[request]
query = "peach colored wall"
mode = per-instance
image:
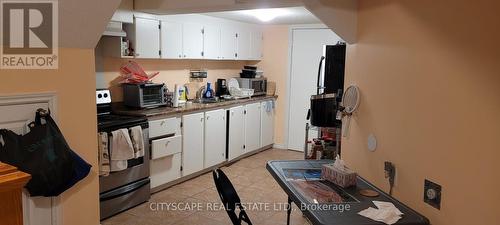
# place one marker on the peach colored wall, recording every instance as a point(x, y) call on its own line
point(428, 72)
point(74, 84)
point(275, 66)
point(171, 71)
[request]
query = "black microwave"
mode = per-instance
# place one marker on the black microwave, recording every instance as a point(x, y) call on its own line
point(144, 95)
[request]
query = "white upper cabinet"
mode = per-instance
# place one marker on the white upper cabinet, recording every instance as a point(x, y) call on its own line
point(244, 40)
point(228, 43)
point(171, 40)
point(192, 36)
point(184, 37)
point(146, 38)
point(256, 49)
point(211, 42)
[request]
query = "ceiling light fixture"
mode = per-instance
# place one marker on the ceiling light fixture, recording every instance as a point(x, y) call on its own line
point(266, 15)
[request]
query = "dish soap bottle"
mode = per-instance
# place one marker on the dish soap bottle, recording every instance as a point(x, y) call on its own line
point(209, 93)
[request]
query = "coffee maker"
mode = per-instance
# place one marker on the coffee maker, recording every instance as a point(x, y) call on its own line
point(221, 88)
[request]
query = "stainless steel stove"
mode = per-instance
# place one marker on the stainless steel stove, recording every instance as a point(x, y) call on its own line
point(124, 189)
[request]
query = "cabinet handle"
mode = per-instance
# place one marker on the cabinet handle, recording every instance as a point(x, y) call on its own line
point(162, 123)
point(208, 117)
point(201, 119)
point(184, 56)
point(180, 56)
point(166, 144)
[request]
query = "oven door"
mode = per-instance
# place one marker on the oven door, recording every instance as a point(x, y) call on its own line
point(137, 169)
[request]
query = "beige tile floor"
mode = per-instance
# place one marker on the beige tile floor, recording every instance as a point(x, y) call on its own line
point(255, 186)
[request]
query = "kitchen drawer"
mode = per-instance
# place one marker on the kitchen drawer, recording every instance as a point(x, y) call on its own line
point(166, 169)
point(166, 146)
point(163, 127)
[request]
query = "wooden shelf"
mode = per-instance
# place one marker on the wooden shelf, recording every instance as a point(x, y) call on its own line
point(12, 182)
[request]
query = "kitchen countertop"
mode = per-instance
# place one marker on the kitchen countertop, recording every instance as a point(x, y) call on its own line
point(121, 109)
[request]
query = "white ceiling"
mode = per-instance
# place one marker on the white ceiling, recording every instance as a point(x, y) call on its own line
point(296, 15)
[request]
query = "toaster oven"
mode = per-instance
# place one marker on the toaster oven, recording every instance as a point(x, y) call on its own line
point(146, 95)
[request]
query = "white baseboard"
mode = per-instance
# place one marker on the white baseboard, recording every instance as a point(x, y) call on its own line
point(279, 146)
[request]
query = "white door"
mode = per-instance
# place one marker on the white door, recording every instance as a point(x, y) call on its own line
point(215, 137)
point(211, 42)
point(244, 44)
point(147, 38)
point(228, 43)
point(267, 123)
point(252, 127)
point(171, 40)
point(307, 48)
point(16, 114)
point(236, 131)
point(257, 38)
point(192, 44)
point(192, 144)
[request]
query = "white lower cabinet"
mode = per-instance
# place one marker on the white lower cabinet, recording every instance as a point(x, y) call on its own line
point(165, 164)
point(236, 132)
point(252, 127)
point(192, 143)
point(215, 137)
point(267, 123)
point(165, 169)
point(203, 140)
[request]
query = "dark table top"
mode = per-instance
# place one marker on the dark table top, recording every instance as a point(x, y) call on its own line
point(332, 213)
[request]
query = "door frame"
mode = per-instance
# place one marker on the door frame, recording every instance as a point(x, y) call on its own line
point(289, 74)
point(51, 99)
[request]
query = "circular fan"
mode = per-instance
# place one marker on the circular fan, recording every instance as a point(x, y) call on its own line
point(350, 103)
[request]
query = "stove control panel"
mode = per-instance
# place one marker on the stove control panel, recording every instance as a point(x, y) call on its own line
point(103, 96)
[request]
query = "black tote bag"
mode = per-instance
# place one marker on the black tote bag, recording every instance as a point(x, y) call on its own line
point(45, 155)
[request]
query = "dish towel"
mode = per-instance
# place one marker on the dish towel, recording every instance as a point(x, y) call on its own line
point(137, 141)
point(103, 150)
point(121, 149)
point(386, 212)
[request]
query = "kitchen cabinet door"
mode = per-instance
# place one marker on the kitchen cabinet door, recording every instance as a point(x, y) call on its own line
point(267, 123)
point(192, 44)
point(147, 38)
point(192, 143)
point(256, 51)
point(236, 131)
point(165, 169)
point(252, 127)
point(228, 42)
point(211, 42)
point(171, 40)
point(244, 40)
point(215, 137)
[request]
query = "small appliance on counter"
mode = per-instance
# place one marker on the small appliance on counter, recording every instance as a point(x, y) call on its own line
point(259, 85)
point(146, 95)
point(221, 88)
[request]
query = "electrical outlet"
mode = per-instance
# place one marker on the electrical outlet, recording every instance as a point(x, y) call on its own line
point(432, 194)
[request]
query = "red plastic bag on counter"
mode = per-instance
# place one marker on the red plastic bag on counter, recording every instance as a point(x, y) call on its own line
point(132, 73)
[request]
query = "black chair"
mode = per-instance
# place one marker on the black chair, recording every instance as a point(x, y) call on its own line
point(230, 198)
